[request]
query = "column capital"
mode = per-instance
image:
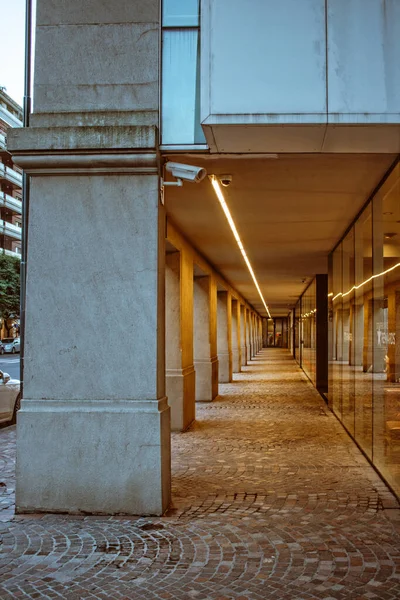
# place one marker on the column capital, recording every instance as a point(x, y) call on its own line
point(100, 149)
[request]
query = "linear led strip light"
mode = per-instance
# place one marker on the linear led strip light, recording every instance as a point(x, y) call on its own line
point(220, 196)
point(357, 287)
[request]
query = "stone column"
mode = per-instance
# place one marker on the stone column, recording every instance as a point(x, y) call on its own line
point(254, 334)
point(236, 367)
point(243, 347)
point(205, 359)
point(224, 339)
point(251, 334)
point(180, 375)
point(248, 335)
point(94, 427)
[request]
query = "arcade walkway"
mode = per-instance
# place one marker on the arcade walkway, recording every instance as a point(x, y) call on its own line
point(271, 500)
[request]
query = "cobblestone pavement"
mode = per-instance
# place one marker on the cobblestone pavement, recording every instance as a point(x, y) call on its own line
point(271, 500)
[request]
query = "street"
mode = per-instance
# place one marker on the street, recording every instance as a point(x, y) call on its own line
point(9, 363)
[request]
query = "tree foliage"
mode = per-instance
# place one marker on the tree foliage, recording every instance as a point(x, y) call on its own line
point(9, 286)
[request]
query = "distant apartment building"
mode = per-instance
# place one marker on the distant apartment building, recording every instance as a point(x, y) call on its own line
point(10, 181)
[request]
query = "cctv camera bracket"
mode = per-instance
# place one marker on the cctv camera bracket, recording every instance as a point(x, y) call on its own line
point(177, 183)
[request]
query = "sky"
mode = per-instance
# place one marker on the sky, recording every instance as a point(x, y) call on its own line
point(12, 51)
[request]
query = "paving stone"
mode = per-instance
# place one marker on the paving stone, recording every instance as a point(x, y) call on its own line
point(271, 500)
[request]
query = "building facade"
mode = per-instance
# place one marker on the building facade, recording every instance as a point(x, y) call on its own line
point(10, 181)
point(10, 194)
point(296, 121)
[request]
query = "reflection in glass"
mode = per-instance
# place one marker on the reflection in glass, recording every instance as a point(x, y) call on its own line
point(337, 331)
point(386, 417)
point(365, 330)
point(277, 332)
point(308, 331)
point(347, 321)
point(180, 101)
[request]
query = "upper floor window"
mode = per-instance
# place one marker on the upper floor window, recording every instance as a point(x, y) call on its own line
point(180, 106)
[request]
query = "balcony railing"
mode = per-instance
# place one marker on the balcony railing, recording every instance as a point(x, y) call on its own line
point(11, 203)
point(11, 253)
point(9, 118)
point(11, 230)
point(10, 175)
point(3, 142)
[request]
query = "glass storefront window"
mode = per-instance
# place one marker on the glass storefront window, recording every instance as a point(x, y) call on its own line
point(277, 332)
point(386, 406)
point(364, 365)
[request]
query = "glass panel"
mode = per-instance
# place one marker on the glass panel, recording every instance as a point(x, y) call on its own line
point(308, 322)
point(386, 449)
point(285, 340)
point(348, 329)
point(337, 332)
point(331, 361)
point(180, 13)
point(270, 332)
point(363, 331)
point(297, 320)
point(180, 96)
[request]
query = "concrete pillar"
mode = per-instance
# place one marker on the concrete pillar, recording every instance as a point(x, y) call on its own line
point(205, 357)
point(257, 333)
point(251, 334)
point(248, 335)
point(180, 374)
point(224, 339)
point(94, 427)
point(254, 334)
point(243, 346)
point(236, 352)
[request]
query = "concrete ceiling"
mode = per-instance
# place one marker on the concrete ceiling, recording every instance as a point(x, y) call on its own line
point(290, 211)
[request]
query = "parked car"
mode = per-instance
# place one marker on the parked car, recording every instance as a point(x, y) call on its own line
point(10, 398)
point(11, 344)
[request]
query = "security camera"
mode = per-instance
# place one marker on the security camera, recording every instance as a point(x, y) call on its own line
point(186, 172)
point(225, 180)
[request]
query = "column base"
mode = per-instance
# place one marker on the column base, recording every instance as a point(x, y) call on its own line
point(180, 387)
point(244, 356)
point(93, 457)
point(235, 361)
point(206, 379)
point(224, 367)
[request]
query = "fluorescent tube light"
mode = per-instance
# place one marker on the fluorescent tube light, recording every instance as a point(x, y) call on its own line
point(220, 196)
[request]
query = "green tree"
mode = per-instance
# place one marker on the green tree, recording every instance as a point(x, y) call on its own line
point(9, 288)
